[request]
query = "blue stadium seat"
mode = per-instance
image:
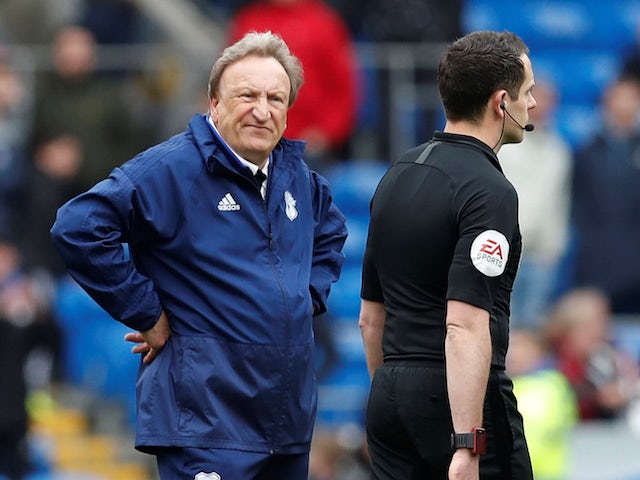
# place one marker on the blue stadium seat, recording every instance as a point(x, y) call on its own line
point(342, 397)
point(619, 23)
point(358, 226)
point(369, 109)
point(95, 355)
point(344, 301)
point(578, 122)
point(71, 475)
point(539, 23)
point(580, 74)
point(599, 24)
point(348, 341)
point(343, 403)
point(353, 183)
point(342, 394)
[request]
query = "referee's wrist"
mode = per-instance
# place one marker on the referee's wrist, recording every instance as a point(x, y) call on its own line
point(474, 441)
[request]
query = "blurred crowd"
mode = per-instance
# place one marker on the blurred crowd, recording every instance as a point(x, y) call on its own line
point(67, 120)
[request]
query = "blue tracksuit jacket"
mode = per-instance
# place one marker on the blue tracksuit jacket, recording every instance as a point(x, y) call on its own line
point(238, 276)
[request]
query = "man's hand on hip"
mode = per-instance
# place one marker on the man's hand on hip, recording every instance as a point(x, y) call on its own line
point(152, 341)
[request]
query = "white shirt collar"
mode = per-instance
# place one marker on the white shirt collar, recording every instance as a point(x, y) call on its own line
point(251, 166)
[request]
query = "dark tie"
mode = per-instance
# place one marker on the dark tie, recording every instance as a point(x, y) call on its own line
point(259, 177)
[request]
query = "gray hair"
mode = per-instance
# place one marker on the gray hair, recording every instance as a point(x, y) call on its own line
point(261, 44)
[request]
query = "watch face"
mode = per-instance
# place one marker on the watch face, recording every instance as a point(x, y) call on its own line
point(479, 441)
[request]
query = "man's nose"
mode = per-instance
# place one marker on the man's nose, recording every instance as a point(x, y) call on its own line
point(261, 110)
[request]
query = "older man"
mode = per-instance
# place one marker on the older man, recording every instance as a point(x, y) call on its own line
point(234, 245)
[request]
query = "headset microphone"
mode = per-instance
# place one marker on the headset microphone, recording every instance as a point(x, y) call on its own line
point(528, 127)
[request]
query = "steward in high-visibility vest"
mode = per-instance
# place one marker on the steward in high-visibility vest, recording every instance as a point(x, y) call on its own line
point(549, 409)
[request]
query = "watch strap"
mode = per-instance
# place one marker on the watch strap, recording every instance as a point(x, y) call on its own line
point(476, 441)
point(462, 440)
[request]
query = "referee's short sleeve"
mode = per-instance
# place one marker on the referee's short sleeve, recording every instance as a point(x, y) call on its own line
point(371, 288)
point(487, 227)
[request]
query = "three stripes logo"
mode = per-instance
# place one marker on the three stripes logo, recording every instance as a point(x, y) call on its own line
point(228, 204)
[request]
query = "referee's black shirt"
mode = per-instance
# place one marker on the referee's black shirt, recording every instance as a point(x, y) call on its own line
point(443, 230)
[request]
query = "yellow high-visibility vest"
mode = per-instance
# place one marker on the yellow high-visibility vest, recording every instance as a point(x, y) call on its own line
point(549, 409)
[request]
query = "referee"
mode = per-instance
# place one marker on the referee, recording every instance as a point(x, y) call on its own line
point(440, 261)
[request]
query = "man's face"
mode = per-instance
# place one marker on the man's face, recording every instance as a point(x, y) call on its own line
point(250, 107)
point(520, 108)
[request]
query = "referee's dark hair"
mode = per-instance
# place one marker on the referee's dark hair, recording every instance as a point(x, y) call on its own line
point(475, 66)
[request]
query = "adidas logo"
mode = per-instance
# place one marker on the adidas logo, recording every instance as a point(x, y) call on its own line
point(228, 204)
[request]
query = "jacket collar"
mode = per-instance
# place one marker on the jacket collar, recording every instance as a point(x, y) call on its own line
point(215, 152)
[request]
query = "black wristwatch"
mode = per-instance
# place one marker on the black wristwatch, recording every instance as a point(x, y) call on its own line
point(476, 441)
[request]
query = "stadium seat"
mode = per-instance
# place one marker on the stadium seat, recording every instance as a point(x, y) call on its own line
point(540, 24)
point(600, 24)
point(95, 355)
point(342, 395)
point(358, 226)
point(353, 183)
point(580, 74)
point(578, 122)
point(369, 109)
point(619, 24)
point(344, 301)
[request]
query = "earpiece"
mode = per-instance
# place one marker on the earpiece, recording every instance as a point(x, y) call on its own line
point(528, 127)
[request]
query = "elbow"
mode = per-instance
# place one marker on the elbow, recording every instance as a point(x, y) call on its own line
point(457, 334)
point(453, 331)
point(464, 331)
point(371, 319)
point(365, 327)
point(57, 233)
point(367, 323)
point(64, 237)
point(370, 328)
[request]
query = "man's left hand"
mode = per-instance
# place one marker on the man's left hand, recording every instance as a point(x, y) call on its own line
point(152, 341)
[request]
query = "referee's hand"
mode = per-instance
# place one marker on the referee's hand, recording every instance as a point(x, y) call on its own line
point(465, 465)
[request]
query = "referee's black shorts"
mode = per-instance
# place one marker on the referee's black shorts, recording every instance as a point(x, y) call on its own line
point(409, 426)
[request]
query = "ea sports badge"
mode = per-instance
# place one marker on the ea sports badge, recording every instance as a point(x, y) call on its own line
point(489, 253)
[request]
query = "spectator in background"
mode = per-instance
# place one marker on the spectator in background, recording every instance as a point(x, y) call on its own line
point(631, 59)
point(606, 200)
point(25, 324)
point(75, 101)
point(13, 352)
point(540, 170)
point(52, 180)
point(35, 21)
point(604, 379)
point(413, 22)
point(112, 21)
point(325, 456)
point(14, 120)
point(325, 113)
point(546, 401)
point(333, 458)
